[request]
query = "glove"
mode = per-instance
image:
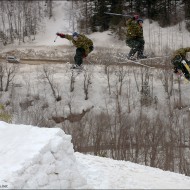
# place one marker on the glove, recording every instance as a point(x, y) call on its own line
point(135, 17)
point(84, 55)
point(60, 35)
point(179, 74)
point(175, 70)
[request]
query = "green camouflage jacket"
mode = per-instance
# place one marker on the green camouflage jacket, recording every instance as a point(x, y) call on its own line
point(82, 42)
point(134, 30)
point(182, 52)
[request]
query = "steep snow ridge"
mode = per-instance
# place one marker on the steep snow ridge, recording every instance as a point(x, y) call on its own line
point(33, 157)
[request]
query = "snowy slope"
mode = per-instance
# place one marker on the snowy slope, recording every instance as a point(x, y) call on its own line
point(105, 173)
point(33, 157)
point(36, 158)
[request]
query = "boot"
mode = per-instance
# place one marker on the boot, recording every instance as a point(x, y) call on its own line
point(131, 54)
point(75, 66)
point(140, 55)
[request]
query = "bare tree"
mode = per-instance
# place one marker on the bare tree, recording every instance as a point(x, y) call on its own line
point(71, 117)
point(48, 4)
point(108, 79)
point(179, 89)
point(129, 96)
point(2, 70)
point(22, 18)
point(121, 74)
point(72, 81)
point(7, 74)
point(48, 74)
point(135, 77)
point(86, 84)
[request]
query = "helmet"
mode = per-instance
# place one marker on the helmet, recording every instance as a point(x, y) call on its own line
point(140, 20)
point(75, 34)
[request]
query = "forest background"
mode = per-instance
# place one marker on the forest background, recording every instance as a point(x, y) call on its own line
point(22, 19)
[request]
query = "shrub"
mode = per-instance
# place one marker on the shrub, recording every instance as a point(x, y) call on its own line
point(4, 116)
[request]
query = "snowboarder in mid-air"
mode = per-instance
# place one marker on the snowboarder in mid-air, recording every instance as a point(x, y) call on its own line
point(181, 64)
point(83, 44)
point(134, 37)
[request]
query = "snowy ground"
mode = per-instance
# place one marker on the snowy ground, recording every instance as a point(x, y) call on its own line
point(104, 173)
point(34, 158)
point(31, 85)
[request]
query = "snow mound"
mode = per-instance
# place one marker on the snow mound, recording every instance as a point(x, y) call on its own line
point(33, 157)
point(106, 173)
point(43, 158)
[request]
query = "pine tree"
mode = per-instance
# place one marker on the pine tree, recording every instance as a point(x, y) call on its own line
point(116, 7)
point(100, 21)
point(187, 13)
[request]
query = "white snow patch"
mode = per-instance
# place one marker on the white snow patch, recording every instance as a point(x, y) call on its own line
point(33, 157)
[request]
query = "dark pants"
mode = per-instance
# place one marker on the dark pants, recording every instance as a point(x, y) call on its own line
point(177, 62)
point(136, 45)
point(79, 55)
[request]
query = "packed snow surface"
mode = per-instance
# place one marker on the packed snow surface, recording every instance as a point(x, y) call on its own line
point(33, 157)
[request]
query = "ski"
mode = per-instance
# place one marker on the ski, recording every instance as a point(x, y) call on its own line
point(116, 14)
point(152, 58)
point(137, 62)
point(77, 70)
point(140, 61)
point(148, 58)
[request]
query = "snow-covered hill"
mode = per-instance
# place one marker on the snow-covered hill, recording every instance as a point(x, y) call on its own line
point(34, 158)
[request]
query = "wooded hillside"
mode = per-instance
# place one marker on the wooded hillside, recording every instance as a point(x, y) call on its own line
point(21, 19)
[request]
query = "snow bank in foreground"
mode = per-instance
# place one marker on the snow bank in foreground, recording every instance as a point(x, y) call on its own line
point(33, 157)
point(43, 158)
point(107, 173)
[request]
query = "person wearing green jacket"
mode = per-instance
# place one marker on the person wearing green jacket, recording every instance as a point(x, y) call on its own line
point(83, 44)
point(179, 60)
point(134, 37)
